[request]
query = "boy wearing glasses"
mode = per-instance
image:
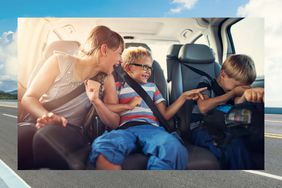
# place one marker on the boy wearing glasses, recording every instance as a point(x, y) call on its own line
point(165, 150)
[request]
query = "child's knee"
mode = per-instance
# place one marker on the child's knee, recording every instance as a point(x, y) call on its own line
point(103, 164)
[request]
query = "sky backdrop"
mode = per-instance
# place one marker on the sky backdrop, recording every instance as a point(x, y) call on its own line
point(267, 9)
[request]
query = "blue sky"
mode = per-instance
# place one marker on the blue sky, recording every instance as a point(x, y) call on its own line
point(111, 8)
point(268, 9)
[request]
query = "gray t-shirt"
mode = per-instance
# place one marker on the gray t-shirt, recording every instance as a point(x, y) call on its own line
point(74, 110)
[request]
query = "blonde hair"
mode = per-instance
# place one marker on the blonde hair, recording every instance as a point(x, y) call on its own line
point(134, 54)
point(241, 68)
point(102, 35)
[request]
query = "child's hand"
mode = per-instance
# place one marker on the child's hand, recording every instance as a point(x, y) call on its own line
point(239, 90)
point(194, 94)
point(255, 95)
point(92, 90)
point(136, 101)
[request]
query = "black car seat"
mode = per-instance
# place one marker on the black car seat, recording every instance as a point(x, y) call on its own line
point(182, 79)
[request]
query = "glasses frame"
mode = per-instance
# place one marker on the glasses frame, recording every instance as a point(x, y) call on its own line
point(144, 67)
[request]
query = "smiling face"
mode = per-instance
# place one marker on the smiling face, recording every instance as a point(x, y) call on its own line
point(140, 70)
point(110, 58)
point(114, 58)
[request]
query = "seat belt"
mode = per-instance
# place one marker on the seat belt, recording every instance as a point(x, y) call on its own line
point(202, 73)
point(144, 95)
point(214, 85)
point(53, 104)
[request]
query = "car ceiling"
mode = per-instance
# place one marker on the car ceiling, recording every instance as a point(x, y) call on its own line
point(140, 29)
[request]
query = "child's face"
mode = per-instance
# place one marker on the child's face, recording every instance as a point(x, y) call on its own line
point(228, 83)
point(141, 70)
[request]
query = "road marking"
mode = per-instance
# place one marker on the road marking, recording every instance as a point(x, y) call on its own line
point(273, 121)
point(273, 135)
point(264, 174)
point(10, 177)
point(8, 106)
point(9, 115)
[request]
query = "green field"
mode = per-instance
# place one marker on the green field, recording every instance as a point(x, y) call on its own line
point(4, 95)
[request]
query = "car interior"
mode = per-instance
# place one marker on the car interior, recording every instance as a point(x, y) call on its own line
point(179, 39)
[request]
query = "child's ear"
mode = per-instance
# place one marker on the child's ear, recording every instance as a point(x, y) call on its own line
point(222, 74)
point(126, 67)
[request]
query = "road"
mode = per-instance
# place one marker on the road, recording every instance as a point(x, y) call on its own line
point(88, 178)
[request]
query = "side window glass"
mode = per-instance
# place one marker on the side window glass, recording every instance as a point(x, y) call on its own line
point(248, 35)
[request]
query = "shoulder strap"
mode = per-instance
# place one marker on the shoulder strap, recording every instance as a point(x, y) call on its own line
point(214, 85)
point(144, 95)
point(202, 73)
point(53, 104)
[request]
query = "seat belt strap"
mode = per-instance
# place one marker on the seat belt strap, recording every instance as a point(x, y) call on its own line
point(144, 95)
point(53, 104)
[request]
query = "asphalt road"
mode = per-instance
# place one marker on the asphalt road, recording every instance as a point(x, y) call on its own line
point(92, 178)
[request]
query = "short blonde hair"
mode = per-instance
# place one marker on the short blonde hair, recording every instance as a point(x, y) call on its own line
point(134, 54)
point(241, 68)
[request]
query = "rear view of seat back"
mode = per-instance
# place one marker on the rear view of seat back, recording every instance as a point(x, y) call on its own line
point(174, 75)
point(200, 57)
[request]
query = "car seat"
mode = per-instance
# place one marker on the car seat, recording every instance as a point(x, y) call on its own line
point(182, 79)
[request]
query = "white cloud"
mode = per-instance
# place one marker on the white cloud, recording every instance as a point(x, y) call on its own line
point(182, 5)
point(8, 55)
point(270, 11)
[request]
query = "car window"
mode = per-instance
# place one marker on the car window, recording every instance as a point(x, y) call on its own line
point(248, 35)
point(202, 40)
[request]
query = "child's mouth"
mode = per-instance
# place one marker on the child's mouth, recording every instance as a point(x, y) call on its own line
point(145, 76)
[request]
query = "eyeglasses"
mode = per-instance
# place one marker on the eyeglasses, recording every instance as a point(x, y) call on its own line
point(144, 67)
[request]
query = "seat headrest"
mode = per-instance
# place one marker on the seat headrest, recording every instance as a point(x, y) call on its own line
point(67, 46)
point(137, 44)
point(173, 51)
point(196, 54)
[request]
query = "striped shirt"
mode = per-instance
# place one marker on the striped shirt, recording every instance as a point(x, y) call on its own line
point(140, 113)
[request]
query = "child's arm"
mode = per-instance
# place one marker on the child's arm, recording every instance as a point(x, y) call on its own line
point(255, 95)
point(119, 108)
point(169, 112)
point(108, 117)
point(208, 104)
